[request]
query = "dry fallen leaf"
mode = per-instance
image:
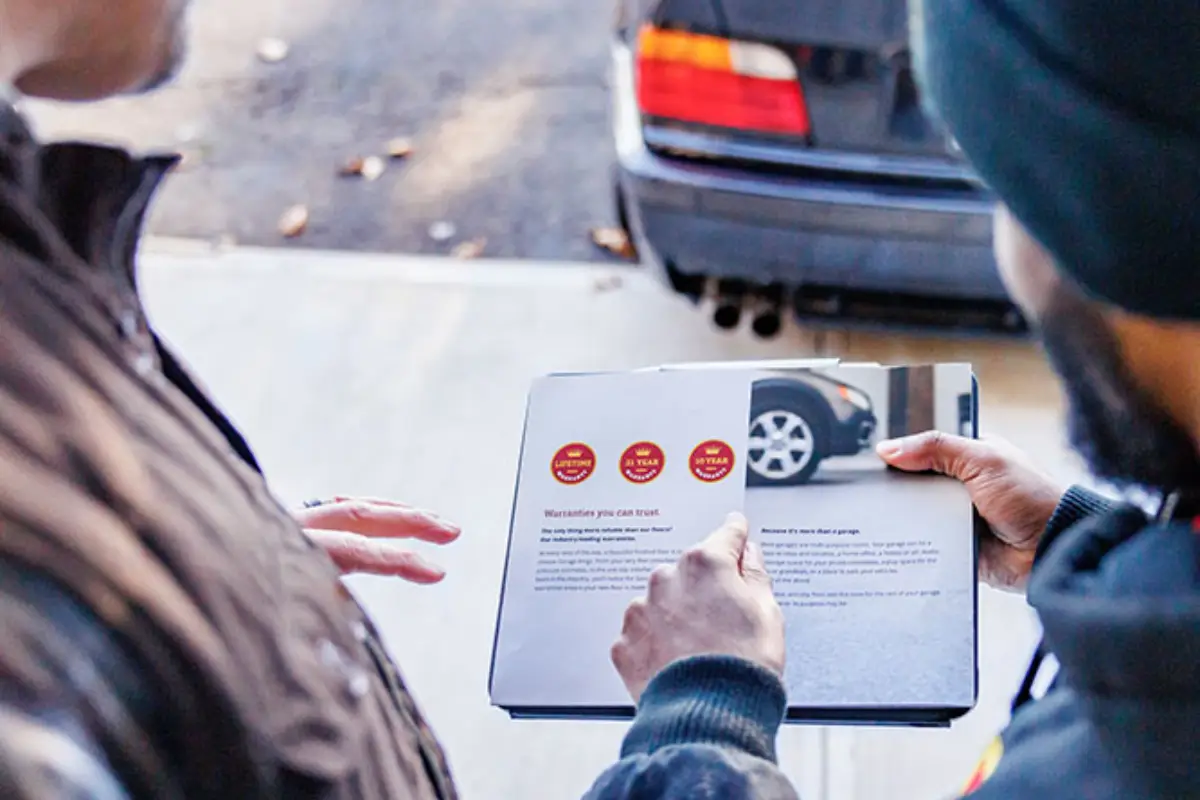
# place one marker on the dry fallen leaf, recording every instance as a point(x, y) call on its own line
point(369, 168)
point(272, 50)
point(615, 241)
point(294, 221)
point(372, 167)
point(400, 147)
point(471, 249)
point(441, 231)
point(353, 166)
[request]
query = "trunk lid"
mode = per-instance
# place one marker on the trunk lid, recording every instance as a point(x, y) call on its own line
point(855, 71)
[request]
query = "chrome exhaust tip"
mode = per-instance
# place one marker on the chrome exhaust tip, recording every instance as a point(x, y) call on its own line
point(731, 297)
point(727, 314)
point(768, 302)
point(767, 324)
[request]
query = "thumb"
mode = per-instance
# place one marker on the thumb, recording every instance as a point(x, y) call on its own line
point(754, 567)
point(729, 541)
point(933, 450)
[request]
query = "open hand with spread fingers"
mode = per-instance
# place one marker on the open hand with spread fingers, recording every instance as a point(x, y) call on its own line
point(357, 534)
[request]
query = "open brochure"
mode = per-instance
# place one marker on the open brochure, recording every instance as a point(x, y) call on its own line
point(874, 568)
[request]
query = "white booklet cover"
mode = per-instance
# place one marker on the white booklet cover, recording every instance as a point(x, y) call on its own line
point(874, 569)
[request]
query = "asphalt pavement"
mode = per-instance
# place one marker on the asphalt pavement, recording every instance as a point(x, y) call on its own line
point(505, 102)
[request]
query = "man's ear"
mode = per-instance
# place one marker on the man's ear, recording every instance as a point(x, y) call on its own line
point(1159, 354)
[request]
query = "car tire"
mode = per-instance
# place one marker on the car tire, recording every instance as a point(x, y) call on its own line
point(797, 421)
point(620, 208)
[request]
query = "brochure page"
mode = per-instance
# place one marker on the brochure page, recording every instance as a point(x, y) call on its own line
point(619, 473)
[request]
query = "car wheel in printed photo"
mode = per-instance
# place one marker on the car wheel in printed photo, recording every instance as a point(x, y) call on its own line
point(789, 431)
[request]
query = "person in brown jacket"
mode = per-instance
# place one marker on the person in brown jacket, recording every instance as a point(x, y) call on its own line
point(167, 630)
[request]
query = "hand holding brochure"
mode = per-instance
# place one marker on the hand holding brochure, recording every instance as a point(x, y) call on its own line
point(874, 569)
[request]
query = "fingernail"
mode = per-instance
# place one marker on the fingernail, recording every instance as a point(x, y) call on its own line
point(889, 448)
point(441, 521)
point(736, 518)
point(435, 572)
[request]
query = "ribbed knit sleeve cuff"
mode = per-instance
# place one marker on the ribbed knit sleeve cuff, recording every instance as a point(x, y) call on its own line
point(718, 700)
point(1076, 505)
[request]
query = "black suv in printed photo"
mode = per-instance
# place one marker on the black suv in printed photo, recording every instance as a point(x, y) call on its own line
point(774, 157)
point(798, 421)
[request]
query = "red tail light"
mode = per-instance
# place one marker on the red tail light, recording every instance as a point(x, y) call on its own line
point(708, 80)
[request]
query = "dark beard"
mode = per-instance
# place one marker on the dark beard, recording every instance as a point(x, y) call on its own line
point(1123, 434)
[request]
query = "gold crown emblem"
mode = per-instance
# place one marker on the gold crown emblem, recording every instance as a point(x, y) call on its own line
point(712, 451)
point(642, 451)
point(574, 453)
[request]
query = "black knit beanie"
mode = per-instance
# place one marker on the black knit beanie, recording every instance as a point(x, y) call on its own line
point(1084, 117)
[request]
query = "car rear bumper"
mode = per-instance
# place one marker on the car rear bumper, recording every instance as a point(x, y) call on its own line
point(853, 435)
point(725, 222)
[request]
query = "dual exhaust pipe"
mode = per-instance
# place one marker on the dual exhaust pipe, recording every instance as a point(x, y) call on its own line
point(763, 304)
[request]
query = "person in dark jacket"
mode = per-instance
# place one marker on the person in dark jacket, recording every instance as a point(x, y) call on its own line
point(1085, 120)
point(167, 630)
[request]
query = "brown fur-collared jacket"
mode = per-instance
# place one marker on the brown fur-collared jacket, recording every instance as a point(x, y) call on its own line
point(166, 630)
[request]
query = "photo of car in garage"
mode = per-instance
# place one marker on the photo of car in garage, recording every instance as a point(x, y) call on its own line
point(776, 159)
point(798, 421)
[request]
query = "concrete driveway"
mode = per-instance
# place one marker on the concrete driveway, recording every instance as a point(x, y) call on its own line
point(406, 378)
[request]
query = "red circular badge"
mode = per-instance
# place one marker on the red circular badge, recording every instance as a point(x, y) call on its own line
point(711, 461)
point(573, 463)
point(642, 462)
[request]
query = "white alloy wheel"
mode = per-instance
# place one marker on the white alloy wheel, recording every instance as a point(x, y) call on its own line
point(781, 444)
